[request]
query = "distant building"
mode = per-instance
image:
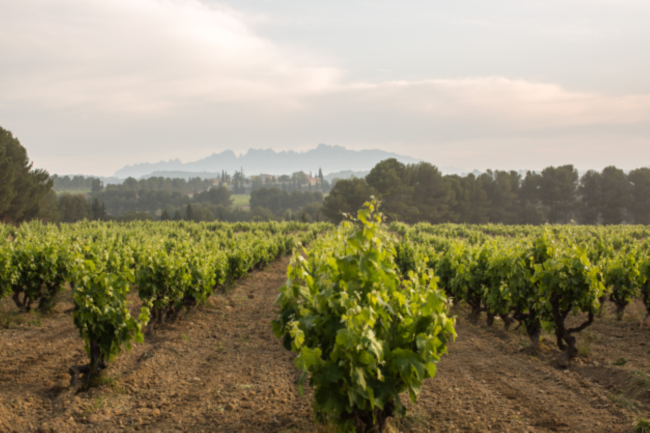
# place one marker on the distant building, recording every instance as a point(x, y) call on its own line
point(313, 180)
point(263, 177)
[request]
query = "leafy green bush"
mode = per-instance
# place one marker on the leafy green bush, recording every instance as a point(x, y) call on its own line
point(568, 282)
point(163, 277)
point(363, 333)
point(623, 275)
point(42, 266)
point(101, 313)
point(7, 271)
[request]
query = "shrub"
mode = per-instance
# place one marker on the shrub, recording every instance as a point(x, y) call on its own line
point(362, 333)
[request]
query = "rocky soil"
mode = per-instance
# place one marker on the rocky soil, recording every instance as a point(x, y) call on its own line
point(221, 369)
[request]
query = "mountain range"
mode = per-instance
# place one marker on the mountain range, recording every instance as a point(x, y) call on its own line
point(328, 158)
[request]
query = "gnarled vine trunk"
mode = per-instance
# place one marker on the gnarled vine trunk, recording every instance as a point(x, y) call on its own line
point(365, 423)
point(507, 320)
point(90, 371)
point(25, 303)
point(532, 325)
point(620, 303)
point(48, 297)
point(474, 301)
point(565, 340)
point(601, 310)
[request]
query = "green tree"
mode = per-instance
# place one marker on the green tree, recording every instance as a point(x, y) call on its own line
point(345, 197)
point(22, 188)
point(529, 210)
point(615, 190)
point(189, 213)
point(165, 215)
point(130, 183)
point(471, 204)
point(262, 214)
point(97, 186)
point(299, 177)
point(640, 195)
point(73, 208)
point(392, 181)
point(432, 194)
point(313, 211)
point(7, 192)
point(590, 195)
point(215, 196)
point(502, 191)
point(97, 210)
point(177, 215)
point(558, 188)
point(48, 211)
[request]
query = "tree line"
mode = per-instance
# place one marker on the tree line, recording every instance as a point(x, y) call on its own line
point(93, 184)
point(169, 198)
point(420, 193)
point(410, 193)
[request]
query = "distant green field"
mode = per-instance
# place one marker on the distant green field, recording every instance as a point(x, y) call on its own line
point(72, 191)
point(241, 200)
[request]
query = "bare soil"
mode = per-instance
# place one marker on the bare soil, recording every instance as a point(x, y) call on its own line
point(221, 369)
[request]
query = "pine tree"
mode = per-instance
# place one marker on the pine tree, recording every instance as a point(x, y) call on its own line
point(165, 216)
point(95, 209)
point(96, 186)
point(639, 180)
point(177, 215)
point(22, 187)
point(189, 213)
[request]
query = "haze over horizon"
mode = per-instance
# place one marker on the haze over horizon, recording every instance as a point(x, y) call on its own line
point(89, 87)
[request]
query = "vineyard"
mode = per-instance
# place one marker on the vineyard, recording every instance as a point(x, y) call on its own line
point(175, 267)
point(535, 276)
point(379, 327)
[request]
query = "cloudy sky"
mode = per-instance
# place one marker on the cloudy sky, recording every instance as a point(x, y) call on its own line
point(91, 85)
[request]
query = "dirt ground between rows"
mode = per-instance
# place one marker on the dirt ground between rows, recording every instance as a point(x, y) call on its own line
point(221, 369)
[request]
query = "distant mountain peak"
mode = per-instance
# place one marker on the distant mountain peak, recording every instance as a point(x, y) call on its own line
point(329, 158)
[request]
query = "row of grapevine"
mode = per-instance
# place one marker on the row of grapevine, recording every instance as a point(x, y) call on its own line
point(175, 266)
point(361, 332)
point(535, 276)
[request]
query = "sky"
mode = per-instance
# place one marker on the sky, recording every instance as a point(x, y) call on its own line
point(90, 86)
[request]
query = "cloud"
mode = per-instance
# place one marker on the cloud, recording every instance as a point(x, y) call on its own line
point(144, 76)
point(143, 56)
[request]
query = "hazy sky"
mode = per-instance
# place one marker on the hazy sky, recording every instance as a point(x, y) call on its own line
point(91, 85)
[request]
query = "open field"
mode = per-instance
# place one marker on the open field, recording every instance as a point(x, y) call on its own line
point(220, 369)
point(240, 200)
point(73, 191)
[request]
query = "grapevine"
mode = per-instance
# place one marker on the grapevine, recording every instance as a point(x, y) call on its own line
point(362, 333)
